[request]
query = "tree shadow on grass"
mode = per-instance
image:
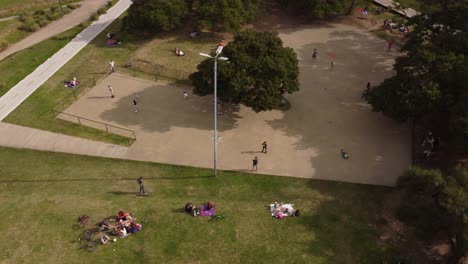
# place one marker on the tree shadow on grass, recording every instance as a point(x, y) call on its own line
point(343, 224)
point(123, 193)
point(104, 179)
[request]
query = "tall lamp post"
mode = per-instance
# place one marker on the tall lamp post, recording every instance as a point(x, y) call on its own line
point(215, 112)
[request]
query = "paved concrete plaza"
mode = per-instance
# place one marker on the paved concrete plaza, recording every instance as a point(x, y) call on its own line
point(304, 141)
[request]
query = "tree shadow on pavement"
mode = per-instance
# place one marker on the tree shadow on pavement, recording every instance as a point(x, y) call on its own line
point(328, 114)
point(163, 107)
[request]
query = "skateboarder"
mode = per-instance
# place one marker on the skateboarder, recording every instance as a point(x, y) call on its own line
point(111, 91)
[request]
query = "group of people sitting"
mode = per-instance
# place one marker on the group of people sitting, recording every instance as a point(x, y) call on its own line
point(72, 83)
point(280, 210)
point(392, 24)
point(123, 225)
point(206, 209)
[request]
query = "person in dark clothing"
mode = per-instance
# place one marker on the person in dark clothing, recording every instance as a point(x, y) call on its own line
point(254, 164)
point(142, 188)
point(264, 147)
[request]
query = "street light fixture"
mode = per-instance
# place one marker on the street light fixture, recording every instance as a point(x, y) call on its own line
point(215, 137)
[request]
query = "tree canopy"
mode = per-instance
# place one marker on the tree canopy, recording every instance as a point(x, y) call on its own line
point(319, 8)
point(226, 14)
point(436, 202)
point(431, 77)
point(155, 15)
point(259, 71)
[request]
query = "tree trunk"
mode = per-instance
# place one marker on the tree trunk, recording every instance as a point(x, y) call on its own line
point(350, 9)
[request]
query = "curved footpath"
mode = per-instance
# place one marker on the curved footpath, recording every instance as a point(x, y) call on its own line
point(74, 18)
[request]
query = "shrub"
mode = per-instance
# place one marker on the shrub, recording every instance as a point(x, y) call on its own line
point(101, 11)
point(155, 15)
point(39, 12)
point(53, 16)
point(30, 26)
point(3, 46)
point(71, 7)
point(94, 17)
point(42, 22)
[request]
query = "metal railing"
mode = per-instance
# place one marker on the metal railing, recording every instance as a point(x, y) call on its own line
point(156, 72)
point(130, 134)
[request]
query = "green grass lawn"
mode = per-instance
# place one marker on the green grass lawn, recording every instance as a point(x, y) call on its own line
point(10, 32)
point(44, 193)
point(13, 7)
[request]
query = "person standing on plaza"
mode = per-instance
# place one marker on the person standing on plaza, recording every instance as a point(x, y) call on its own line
point(390, 44)
point(111, 91)
point(254, 164)
point(112, 66)
point(264, 147)
point(140, 183)
point(314, 55)
point(185, 95)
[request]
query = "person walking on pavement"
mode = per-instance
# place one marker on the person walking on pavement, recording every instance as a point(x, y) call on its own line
point(314, 55)
point(135, 105)
point(111, 91)
point(136, 97)
point(264, 147)
point(112, 66)
point(254, 164)
point(140, 183)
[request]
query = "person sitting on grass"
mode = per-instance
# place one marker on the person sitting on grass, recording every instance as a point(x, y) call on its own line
point(178, 52)
point(193, 34)
point(120, 232)
point(207, 209)
point(72, 83)
point(134, 227)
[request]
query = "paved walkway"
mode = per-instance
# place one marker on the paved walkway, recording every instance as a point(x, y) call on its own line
point(25, 137)
point(68, 21)
point(28, 85)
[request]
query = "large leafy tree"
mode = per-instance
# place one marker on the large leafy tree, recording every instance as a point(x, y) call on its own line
point(155, 15)
point(320, 8)
point(259, 71)
point(431, 76)
point(226, 14)
point(438, 202)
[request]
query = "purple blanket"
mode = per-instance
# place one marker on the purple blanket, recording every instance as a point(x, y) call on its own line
point(205, 212)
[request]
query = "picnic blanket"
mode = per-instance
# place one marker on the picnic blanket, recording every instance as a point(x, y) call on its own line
point(274, 209)
point(204, 211)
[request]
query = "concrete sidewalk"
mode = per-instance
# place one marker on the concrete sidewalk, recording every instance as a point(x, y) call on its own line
point(74, 18)
point(24, 137)
point(16, 95)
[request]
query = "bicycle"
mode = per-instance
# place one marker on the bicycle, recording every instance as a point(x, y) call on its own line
point(82, 221)
point(86, 240)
